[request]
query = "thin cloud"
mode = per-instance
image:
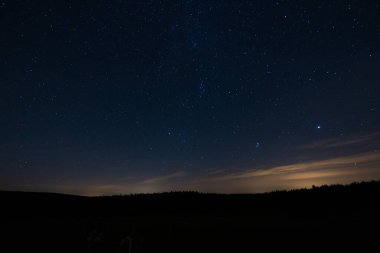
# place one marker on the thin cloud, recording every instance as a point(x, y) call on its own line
point(344, 163)
point(342, 169)
point(343, 141)
point(165, 177)
point(216, 171)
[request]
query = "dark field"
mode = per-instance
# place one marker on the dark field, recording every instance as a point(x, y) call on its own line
point(324, 218)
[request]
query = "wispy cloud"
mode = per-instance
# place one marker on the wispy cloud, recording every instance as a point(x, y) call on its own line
point(165, 177)
point(343, 163)
point(344, 141)
point(337, 160)
point(342, 169)
point(216, 171)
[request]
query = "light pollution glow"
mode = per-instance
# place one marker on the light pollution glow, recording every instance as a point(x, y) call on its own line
point(342, 169)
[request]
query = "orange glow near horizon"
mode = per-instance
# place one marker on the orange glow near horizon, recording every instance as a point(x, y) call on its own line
point(340, 170)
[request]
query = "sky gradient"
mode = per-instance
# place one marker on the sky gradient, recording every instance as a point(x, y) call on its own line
point(104, 97)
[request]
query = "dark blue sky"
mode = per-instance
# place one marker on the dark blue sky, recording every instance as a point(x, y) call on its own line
point(100, 97)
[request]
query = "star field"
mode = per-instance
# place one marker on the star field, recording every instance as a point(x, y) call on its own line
point(103, 96)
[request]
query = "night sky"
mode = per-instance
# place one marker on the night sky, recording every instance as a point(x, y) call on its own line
point(103, 97)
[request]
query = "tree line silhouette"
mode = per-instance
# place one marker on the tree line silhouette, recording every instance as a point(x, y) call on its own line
point(325, 199)
point(341, 217)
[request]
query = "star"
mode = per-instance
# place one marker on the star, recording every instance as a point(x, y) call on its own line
point(202, 90)
point(196, 87)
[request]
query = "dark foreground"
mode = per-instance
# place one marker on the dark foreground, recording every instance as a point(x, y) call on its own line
point(335, 218)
